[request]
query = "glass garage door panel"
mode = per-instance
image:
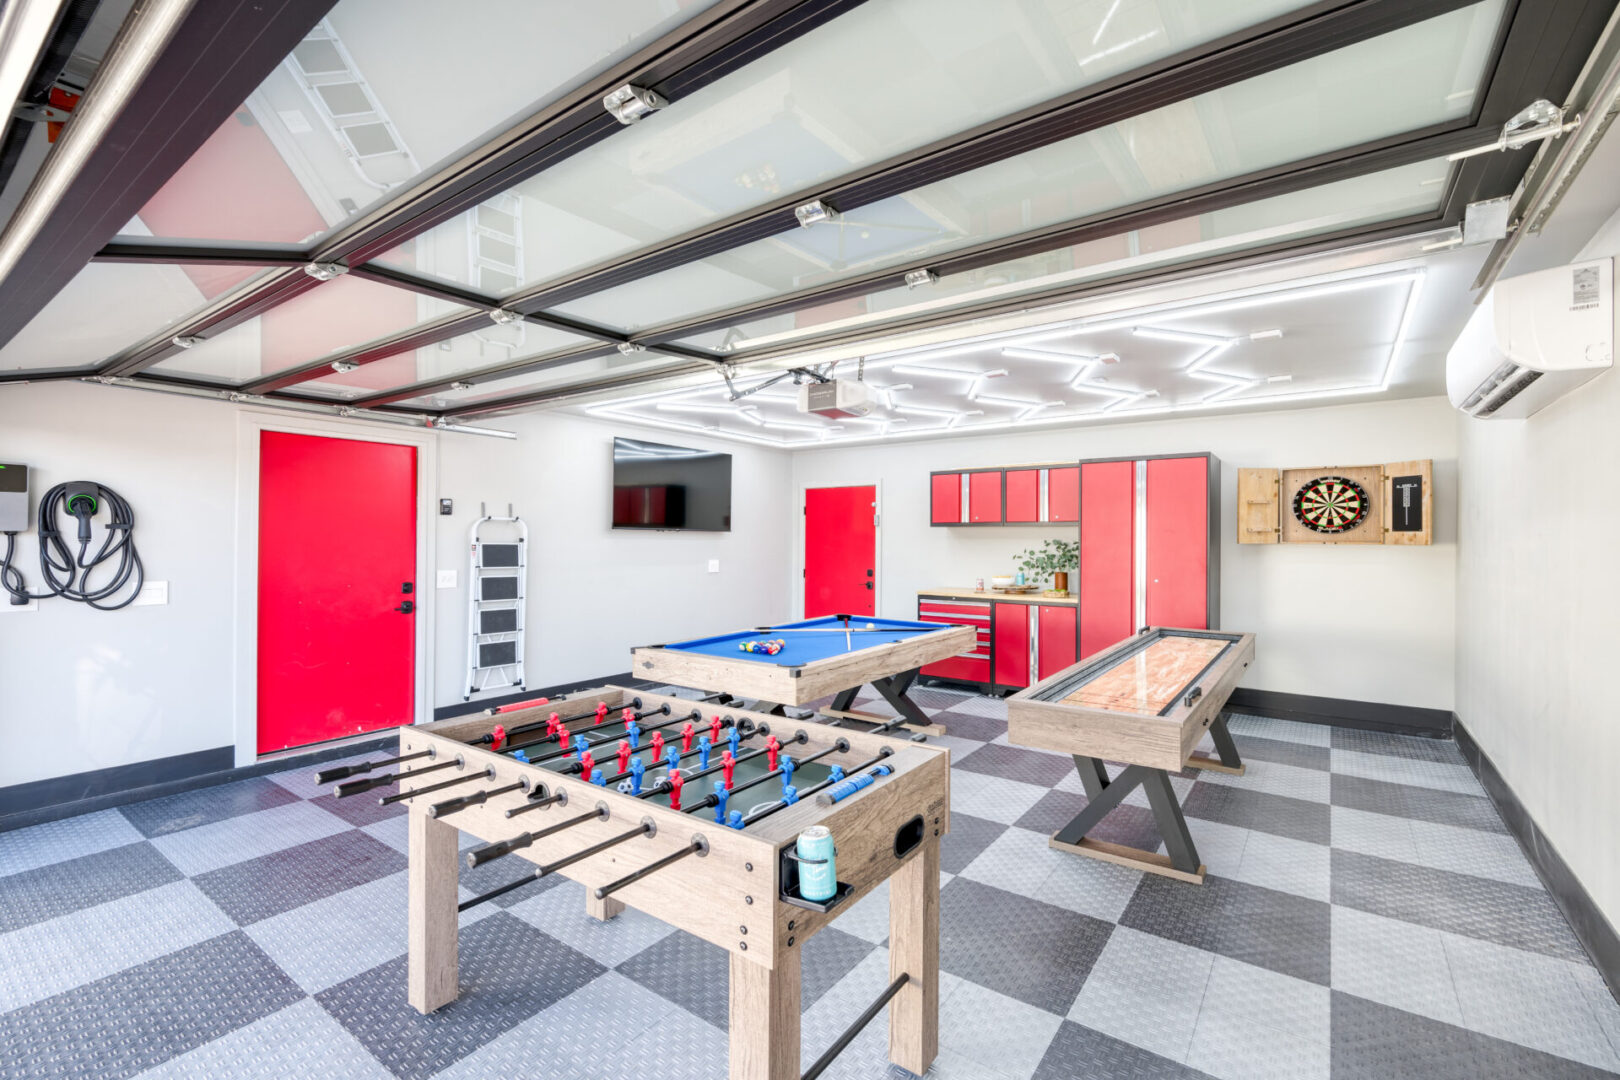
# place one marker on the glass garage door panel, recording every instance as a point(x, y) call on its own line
point(377, 93)
point(108, 307)
point(879, 80)
point(485, 348)
point(335, 315)
point(1423, 75)
point(1364, 200)
point(578, 372)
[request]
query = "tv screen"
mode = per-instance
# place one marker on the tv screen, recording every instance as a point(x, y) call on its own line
point(670, 487)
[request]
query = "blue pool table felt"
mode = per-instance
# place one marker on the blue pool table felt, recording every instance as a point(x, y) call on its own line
point(805, 647)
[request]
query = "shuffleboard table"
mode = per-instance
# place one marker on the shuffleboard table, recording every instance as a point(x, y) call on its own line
point(816, 659)
point(1146, 703)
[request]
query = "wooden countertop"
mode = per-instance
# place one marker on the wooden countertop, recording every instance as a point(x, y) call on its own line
point(958, 593)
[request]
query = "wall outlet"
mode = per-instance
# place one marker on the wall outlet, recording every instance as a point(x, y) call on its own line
point(714, 566)
point(152, 594)
point(446, 579)
point(6, 606)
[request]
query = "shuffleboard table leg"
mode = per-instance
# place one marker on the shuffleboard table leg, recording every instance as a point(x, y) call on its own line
point(765, 1017)
point(433, 971)
point(1228, 760)
point(1093, 776)
point(1178, 842)
point(608, 907)
point(914, 952)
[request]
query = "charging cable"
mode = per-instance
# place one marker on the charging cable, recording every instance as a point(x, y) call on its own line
point(68, 576)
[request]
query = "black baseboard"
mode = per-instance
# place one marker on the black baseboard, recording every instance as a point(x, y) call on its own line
point(1596, 935)
point(1343, 712)
point(468, 708)
point(81, 793)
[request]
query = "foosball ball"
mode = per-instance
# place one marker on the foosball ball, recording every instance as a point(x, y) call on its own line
point(748, 830)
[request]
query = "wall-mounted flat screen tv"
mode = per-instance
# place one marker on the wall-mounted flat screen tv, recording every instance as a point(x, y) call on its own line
point(670, 487)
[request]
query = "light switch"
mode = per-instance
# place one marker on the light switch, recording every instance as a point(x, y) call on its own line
point(447, 579)
point(714, 566)
point(152, 594)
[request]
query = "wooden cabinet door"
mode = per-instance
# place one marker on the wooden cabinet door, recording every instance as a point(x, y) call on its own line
point(1058, 625)
point(984, 497)
point(1011, 653)
point(1023, 495)
point(1063, 494)
point(1177, 579)
point(945, 498)
point(1107, 576)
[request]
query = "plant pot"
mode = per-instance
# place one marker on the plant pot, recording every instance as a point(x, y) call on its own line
point(1060, 581)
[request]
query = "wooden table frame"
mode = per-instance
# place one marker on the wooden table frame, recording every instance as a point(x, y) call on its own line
point(889, 668)
point(730, 896)
point(1150, 745)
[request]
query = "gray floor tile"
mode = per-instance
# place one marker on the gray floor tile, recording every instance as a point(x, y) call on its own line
point(1270, 929)
point(994, 1030)
point(1299, 819)
point(271, 884)
point(1283, 752)
point(1460, 903)
point(1034, 952)
point(687, 971)
point(828, 957)
point(970, 725)
point(509, 972)
point(301, 781)
point(362, 809)
point(1395, 963)
point(1404, 746)
point(1284, 730)
point(48, 892)
point(1261, 1025)
point(968, 837)
point(1146, 990)
point(1444, 776)
point(157, 817)
point(300, 1040)
point(1427, 804)
point(1376, 1042)
point(208, 847)
point(1274, 778)
point(1016, 763)
point(145, 1015)
point(1080, 1053)
point(58, 841)
point(991, 797)
point(494, 874)
point(324, 942)
point(1126, 824)
point(560, 912)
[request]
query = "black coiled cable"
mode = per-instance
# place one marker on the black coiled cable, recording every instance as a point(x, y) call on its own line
point(68, 576)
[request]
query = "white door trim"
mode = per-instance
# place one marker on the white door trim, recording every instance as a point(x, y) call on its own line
point(877, 546)
point(245, 606)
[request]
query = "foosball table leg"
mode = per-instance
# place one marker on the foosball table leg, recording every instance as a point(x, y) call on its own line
point(765, 1017)
point(914, 951)
point(433, 970)
point(604, 909)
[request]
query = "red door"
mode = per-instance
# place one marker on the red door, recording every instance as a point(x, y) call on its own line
point(337, 560)
point(1178, 542)
point(840, 551)
point(1107, 553)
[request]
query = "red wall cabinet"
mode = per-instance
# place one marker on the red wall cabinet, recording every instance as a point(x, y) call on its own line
point(1011, 650)
point(1055, 647)
point(984, 497)
point(945, 498)
point(1178, 542)
point(1063, 494)
point(1107, 577)
point(1023, 495)
point(972, 666)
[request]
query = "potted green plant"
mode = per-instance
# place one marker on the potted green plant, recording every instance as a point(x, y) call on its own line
point(1053, 559)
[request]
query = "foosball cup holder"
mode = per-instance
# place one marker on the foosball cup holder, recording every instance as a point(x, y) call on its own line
point(790, 886)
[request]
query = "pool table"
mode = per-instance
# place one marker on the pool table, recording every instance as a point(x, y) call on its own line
point(816, 660)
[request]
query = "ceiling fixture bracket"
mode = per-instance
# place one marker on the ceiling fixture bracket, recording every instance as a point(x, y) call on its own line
point(505, 316)
point(325, 271)
point(343, 367)
point(816, 212)
point(182, 341)
point(630, 103)
point(461, 386)
point(1539, 120)
point(916, 279)
point(630, 348)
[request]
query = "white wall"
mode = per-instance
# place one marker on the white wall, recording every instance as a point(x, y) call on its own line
point(1537, 614)
point(83, 689)
point(1364, 622)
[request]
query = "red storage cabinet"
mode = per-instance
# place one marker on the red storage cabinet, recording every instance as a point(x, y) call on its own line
point(1177, 578)
point(1063, 494)
point(1023, 495)
point(1107, 577)
point(1011, 652)
point(945, 498)
point(1057, 625)
point(973, 666)
point(984, 497)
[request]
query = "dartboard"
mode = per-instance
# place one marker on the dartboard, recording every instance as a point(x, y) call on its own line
point(1330, 504)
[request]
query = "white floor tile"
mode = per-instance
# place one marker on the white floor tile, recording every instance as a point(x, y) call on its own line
point(991, 797)
point(995, 1030)
point(1411, 771)
point(1275, 778)
point(1394, 963)
point(1145, 990)
point(57, 841)
point(300, 1040)
point(222, 843)
point(1293, 866)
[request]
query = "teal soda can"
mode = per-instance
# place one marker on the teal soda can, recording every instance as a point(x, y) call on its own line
point(818, 880)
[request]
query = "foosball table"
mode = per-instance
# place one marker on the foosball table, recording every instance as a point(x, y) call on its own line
point(688, 811)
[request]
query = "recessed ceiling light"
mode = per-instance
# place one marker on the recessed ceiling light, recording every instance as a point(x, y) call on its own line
point(1265, 335)
point(1279, 378)
point(1179, 335)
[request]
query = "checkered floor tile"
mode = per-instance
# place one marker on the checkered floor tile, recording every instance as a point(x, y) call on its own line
point(1366, 915)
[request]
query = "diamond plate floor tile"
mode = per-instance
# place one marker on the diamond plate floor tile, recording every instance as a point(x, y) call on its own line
point(1257, 1024)
point(1034, 952)
point(493, 875)
point(47, 958)
point(1293, 866)
point(1271, 778)
point(992, 708)
point(1425, 804)
point(1469, 851)
point(964, 723)
point(867, 1057)
point(1145, 990)
point(1018, 861)
point(1459, 903)
point(560, 912)
point(828, 957)
point(54, 890)
point(1274, 930)
point(1282, 730)
point(509, 972)
point(69, 838)
point(271, 884)
point(301, 781)
point(1080, 1053)
point(327, 941)
point(1405, 746)
point(300, 1040)
point(1282, 752)
point(1375, 1042)
point(1394, 963)
point(1089, 886)
point(683, 1048)
point(969, 836)
point(1125, 824)
point(394, 831)
point(1383, 835)
point(994, 1030)
point(187, 810)
point(687, 971)
point(992, 797)
point(1442, 776)
point(1535, 1001)
point(1220, 847)
point(1301, 819)
point(1016, 763)
point(958, 746)
point(362, 809)
point(868, 917)
point(1602, 1001)
point(145, 1015)
point(209, 847)
point(1257, 1053)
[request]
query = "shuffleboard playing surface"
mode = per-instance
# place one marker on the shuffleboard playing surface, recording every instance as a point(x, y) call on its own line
point(1149, 680)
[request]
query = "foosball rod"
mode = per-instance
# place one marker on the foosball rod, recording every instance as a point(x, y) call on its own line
point(343, 772)
point(355, 787)
point(574, 768)
point(489, 737)
point(855, 1029)
point(646, 828)
point(608, 736)
point(708, 801)
point(488, 773)
point(698, 846)
point(663, 786)
point(767, 811)
point(478, 856)
point(477, 798)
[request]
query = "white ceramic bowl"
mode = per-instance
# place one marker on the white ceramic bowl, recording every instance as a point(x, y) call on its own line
point(1001, 581)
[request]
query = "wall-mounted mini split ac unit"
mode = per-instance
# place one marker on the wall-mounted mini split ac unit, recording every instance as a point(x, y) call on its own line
point(1533, 339)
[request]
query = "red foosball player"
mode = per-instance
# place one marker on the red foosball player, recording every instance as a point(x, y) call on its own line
point(586, 764)
point(497, 737)
point(686, 738)
point(601, 711)
point(629, 715)
point(554, 726)
point(727, 764)
point(714, 730)
point(772, 748)
point(624, 755)
point(675, 782)
point(658, 745)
